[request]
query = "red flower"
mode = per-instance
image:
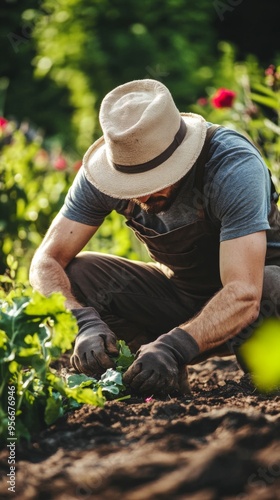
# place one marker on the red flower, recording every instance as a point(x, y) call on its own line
point(3, 123)
point(60, 163)
point(223, 98)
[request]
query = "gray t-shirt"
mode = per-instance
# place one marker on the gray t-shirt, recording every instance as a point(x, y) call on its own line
point(236, 193)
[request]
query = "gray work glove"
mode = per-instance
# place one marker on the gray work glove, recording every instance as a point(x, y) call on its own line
point(158, 365)
point(94, 344)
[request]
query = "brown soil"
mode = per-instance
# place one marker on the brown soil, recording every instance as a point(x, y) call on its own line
point(223, 442)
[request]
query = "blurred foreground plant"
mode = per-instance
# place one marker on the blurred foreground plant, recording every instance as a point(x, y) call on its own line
point(261, 354)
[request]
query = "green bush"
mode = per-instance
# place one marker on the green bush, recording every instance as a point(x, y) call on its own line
point(31, 192)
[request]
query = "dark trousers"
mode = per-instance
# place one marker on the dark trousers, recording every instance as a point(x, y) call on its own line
point(139, 301)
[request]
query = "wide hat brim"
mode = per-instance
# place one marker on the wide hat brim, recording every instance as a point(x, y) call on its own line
point(101, 172)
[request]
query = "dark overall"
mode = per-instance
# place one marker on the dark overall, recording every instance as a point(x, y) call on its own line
point(140, 301)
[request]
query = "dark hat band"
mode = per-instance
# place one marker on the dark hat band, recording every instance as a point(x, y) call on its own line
point(158, 160)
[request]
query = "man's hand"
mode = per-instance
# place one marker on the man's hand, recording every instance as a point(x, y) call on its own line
point(158, 364)
point(94, 344)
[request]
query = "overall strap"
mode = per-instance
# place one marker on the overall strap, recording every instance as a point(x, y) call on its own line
point(203, 157)
point(274, 194)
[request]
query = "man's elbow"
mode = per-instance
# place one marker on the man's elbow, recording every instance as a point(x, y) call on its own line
point(252, 300)
point(254, 309)
point(39, 267)
point(34, 270)
point(249, 298)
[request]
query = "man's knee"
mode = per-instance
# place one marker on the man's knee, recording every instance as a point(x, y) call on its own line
point(88, 275)
point(75, 267)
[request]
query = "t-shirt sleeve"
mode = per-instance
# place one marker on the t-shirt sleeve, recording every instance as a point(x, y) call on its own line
point(240, 191)
point(85, 204)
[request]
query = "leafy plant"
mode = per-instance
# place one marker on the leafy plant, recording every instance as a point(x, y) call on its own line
point(34, 331)
point(125, 357)
point(110, 383)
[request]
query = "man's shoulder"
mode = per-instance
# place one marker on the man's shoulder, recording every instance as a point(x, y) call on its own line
point(86, 204)
point(227, 138)
point(88, 190)
point(232, 153)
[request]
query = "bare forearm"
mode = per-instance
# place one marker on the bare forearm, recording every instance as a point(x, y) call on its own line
point(227, 313)
point(47, 276)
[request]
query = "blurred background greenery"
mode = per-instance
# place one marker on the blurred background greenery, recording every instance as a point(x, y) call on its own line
point(60, 57)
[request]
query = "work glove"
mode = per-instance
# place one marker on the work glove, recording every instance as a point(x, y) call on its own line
point(159, 364)
point(94, 344)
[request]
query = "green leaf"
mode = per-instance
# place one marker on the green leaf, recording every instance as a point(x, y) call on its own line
point(5, 279)
point(42, 306)
point(111, 377)
point(27, 352)
point(267, 101)
point(264, 90)
point(87, 396)
point(125, 358)
point(3, 339)
point(70, 404)
point(80, 379)
point(12, 262)
point(63, 328)
point(57, 383)
point(64, 331)
point(111, 381)
point(13, 367)
point(53, 409)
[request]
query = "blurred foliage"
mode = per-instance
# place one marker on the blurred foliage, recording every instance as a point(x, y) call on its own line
point(116, 238)
point(81, 49)
point(23, 97)
point(261, 354)
point(255, 109)
point(31, 192)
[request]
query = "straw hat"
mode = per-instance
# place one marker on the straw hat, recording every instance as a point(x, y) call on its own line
point(147, 143)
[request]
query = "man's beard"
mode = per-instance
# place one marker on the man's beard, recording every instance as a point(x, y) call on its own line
point(155, 205)
point(158, 203)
